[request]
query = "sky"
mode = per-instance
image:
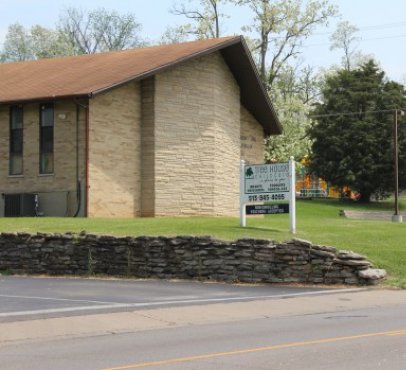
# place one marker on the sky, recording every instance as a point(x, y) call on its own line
point(382, 25)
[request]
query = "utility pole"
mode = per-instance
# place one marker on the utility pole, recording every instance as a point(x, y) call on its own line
point(397, 217)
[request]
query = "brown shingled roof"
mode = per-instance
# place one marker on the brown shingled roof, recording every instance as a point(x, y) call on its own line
point(86, 75)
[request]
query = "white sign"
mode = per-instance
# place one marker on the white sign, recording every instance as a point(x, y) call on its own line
point(266, 182)
point(263, 183)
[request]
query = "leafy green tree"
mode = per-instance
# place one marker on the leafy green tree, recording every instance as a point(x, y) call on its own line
point(352, 133)
point(17, 45)
point(279, 28)
point(294, 140)
point(99, 30)
point(345, 38)
point(175, 35)
point(292, 95)
point(48, 43)
point(35, 43)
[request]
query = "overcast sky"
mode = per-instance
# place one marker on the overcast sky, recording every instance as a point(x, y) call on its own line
point(382, 25)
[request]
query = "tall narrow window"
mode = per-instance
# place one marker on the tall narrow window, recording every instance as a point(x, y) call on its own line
point(16, 140)
point(46, 150)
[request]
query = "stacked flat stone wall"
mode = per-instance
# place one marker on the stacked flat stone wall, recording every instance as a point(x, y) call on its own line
point(245, 260)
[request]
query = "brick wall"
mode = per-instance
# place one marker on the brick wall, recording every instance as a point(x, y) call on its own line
point(115, 153)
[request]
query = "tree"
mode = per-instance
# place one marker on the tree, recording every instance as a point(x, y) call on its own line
point(48, 43)
point(280, 27)
point(175, 35)
point(206, 18)
point(17, 45)
point(35, 43)
point(344, 38)
point(293, 93)
point(352, 135)
point(99, 30)
point(293, 141)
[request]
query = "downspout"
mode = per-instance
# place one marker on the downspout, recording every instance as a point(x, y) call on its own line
point(78, 182)
point(87, 158)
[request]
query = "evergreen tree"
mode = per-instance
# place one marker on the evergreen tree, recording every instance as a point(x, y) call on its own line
point(356, 150)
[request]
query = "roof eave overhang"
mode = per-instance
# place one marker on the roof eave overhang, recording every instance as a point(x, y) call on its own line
point(46, 99)
point(253, 94)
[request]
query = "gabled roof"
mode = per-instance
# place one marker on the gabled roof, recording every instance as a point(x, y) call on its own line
point(88, 75)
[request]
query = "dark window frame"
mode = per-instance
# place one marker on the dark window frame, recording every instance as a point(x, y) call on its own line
point(46, 139)
point(16, 139)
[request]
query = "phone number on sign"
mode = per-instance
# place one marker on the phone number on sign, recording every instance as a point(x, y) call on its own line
point(266, 197)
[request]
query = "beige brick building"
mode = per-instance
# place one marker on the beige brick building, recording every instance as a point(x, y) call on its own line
point(145, 132)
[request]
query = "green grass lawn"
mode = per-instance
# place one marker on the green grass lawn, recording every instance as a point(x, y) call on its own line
point(383, 242)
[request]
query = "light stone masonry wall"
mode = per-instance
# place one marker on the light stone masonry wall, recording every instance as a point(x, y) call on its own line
point(148, 147)
point(227, 140)
point(197, 139)
point(63, 180)
point(252, 138)
point(115, 153)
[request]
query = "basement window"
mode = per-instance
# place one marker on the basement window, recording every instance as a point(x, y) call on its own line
point(16, 140)
point(46, 150)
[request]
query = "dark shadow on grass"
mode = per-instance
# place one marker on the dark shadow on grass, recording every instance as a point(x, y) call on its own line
point(256, 228)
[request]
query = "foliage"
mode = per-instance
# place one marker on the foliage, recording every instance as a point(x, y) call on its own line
point(99, 30)
point(280, 27)
point(293, 141)
point(175, 35)
point(293, 93)
point(205, 19)
point(30, 44)
point(344, 38)
point(78, 32)
point(17, 44)
point(356, 150)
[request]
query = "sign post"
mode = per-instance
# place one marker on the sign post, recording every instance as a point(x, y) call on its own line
point(268, 183)
point(292, 196)
point(243, 216)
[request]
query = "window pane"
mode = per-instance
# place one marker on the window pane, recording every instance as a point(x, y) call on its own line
point(16, 117)
point(16, 164)
point(47, 163)
point(47, 115)
point(47, 139)
point(16, 141)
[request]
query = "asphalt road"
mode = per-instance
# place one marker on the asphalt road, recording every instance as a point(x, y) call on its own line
point(370, 339)
point(23, 298)
point(183, 325)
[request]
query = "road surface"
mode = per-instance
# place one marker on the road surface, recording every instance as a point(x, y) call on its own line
point(362, 329)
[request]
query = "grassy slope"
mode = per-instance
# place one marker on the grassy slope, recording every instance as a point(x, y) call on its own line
point(383, 242)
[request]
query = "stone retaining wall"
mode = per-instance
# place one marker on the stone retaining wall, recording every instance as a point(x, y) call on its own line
point(185, 257)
